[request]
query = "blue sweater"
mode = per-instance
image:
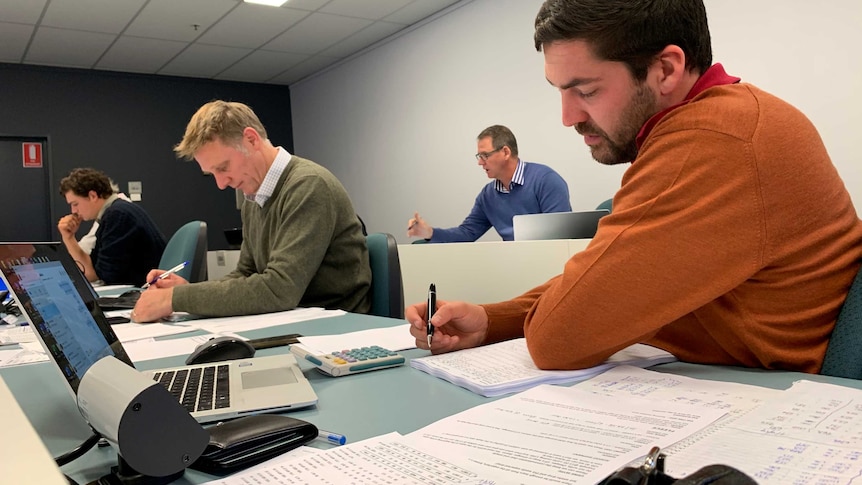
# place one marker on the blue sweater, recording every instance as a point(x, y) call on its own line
point(543, 191)
point(128, 245)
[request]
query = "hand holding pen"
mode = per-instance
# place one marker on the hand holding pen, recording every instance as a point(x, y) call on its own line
point(417, 227)
point(432, 308)
point(164, 275)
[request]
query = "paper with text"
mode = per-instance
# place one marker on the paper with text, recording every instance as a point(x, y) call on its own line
point(385, 459)
point(809, 434)
point(552, 434)
point(148, 349)
point(255, 322)
point(506, 367)
point(392, 338)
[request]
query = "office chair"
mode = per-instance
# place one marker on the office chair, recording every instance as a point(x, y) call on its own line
point(189, 243)
point(843, 355)
point(387, 290)
point(608, 204)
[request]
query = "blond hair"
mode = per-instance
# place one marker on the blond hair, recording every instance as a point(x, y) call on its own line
point(218, 120)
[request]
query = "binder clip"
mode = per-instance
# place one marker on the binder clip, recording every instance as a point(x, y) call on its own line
point(651, 472)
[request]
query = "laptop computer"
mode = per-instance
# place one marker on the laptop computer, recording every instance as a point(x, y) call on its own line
point(61, 306)
point(557, 225)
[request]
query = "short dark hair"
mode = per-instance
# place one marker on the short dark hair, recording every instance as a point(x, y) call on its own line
point(629, 31)
point(82, 180)
point(500, 137)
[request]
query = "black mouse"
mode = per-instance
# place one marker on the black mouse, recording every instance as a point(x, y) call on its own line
point(219, 349)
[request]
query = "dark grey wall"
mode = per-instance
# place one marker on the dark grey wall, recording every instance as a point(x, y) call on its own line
point(126, 125)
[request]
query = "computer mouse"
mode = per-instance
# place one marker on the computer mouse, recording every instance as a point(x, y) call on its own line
point(220, 349)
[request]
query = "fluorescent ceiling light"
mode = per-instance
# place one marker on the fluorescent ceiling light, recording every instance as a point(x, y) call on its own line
point(271, 3)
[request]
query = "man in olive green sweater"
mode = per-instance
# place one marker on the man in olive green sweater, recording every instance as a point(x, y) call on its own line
point(302, 241)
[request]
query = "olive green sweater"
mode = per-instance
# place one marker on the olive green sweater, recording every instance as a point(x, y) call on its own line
point(303, 248)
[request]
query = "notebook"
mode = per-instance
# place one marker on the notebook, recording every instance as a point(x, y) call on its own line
point(61, 307)
point(557, 225)
point(506, 367)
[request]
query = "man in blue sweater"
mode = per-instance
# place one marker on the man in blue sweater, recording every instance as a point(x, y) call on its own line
point(128, 243)
point(519, 187)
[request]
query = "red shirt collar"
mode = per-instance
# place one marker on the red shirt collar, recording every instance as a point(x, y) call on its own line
point(714, 76)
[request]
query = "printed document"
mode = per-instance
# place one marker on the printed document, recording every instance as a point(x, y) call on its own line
point(506, 367)
point(808, 434)
point(552, 434)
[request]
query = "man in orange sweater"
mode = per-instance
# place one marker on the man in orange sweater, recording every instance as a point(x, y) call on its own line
point(732, 239)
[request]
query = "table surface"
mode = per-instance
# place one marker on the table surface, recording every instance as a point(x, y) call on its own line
point(359, 406)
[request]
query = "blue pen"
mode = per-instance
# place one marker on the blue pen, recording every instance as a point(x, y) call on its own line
point(330, 437)
point(165, 274)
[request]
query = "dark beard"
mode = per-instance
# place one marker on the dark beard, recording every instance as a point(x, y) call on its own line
point(641, 108)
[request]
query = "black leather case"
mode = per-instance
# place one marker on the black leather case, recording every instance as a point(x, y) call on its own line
point(247, 441)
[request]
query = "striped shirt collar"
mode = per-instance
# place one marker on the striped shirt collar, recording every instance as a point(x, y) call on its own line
point(517, 178)
point(271, 180)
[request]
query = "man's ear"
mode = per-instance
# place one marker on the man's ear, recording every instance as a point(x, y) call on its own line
point(251, 136)
point(93, 196)
point(669, 69)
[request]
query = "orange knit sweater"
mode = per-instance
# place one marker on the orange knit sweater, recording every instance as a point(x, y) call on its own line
point(732, 241)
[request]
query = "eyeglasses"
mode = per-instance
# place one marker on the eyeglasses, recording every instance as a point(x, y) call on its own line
point(484, 156)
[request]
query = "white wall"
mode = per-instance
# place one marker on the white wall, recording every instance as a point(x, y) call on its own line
point(398, 123)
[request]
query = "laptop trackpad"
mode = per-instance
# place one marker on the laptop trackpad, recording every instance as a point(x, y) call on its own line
point(267, 378)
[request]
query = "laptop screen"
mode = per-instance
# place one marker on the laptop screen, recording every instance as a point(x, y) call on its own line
point(59, 303)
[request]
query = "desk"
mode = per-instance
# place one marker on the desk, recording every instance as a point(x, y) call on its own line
point(360, 406)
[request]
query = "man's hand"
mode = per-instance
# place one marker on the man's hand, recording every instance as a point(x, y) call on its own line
point(168, 281)
point(457, 325)
point(154, 303)
point(69, 225)
point(417, 227)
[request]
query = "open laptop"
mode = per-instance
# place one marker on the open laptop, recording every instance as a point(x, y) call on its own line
point(557, 225)
point(61, 306)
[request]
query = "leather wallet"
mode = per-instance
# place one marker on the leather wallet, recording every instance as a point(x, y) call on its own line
point(247, 441)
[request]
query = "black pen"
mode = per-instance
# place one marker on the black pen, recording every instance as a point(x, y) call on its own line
point(432, 307)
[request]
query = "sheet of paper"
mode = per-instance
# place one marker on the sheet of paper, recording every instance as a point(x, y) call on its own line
point(13, 357)
point(507, 367)
point(148, 349)
point(254, 322)
point(552, 434)
point(111, 290)
point(385, 459)
point(809, 434)
point(128, 332)
point(393, 338)
point(17, 333)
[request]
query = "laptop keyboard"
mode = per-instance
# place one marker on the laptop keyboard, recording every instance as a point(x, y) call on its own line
point(198, 388)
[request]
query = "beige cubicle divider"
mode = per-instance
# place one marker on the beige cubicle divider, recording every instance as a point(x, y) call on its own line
point(220, 263)
point(482, 272)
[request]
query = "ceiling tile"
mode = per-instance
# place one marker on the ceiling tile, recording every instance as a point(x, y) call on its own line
point(113, 17)
point(21, 11)
point(362, 39)
point(236, 30)
point(303, 69)
point(366, 9)
point(175, 19)
point(13, 41)
point(261, 66)
point(138, 54)
point(204, 60)
point(418, 10)
point(68, 48)
point(316, 32)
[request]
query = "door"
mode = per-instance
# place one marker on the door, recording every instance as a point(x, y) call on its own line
point(25, 196)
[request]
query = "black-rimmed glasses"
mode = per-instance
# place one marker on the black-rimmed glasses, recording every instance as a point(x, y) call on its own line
point(484, 156)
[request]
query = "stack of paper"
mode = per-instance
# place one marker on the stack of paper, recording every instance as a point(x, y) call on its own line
point(507, 367)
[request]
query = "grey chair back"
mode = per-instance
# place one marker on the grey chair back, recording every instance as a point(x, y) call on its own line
point(844, 352)
point(387, 289)
point(189, 243)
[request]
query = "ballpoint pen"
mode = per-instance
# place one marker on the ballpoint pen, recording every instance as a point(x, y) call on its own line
point(330, 437)
point(432, 307)
point(165, 274)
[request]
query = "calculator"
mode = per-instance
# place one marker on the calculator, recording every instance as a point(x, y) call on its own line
point(350, 361)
